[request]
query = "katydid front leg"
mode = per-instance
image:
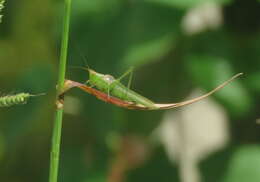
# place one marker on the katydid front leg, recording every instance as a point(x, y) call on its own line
point(110, 80)
point(90, 85)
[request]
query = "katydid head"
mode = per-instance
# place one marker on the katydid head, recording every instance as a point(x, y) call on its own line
point(96, 78)
point(92, 73)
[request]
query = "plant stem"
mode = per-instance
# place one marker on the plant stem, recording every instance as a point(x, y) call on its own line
point(56, 136)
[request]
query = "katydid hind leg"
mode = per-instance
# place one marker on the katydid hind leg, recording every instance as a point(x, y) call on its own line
point(130, 73)
point(130, 78)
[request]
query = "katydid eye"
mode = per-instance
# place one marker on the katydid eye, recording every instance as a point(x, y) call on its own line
point(109, 78)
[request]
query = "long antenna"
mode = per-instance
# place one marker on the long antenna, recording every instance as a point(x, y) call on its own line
point(83, 57)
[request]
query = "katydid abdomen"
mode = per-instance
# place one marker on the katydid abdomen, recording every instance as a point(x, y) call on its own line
point(122, 92)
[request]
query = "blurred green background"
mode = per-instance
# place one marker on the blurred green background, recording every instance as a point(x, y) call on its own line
point(179, 48)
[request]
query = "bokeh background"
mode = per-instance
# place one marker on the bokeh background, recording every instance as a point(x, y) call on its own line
point(179, 48)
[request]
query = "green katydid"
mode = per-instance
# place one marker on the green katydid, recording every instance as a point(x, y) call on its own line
point(110, 85)
point(113, 91)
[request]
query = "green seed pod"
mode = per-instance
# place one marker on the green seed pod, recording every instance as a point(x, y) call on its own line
point(1, 7)
point(10, 100)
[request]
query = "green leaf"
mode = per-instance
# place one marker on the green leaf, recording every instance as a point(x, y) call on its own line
point(96, 10)
point(253, 81)
point(210, 71)
point(2, 146)
point(151, 33)
point(145, 52)
point(244, 165)
point(157, 168)
point(187, 3)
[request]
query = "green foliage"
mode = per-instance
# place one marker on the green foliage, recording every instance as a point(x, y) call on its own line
point(149, 170)
point(1, 7)
point(169, 65)
point(244, 165)
point(187, 3)
point(235, 97)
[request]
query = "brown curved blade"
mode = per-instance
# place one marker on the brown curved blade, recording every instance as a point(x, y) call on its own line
point(130, 105)
point(101, 95)
point(179, 104)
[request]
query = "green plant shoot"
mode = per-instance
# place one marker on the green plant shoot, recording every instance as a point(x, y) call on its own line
point(1, 7)
point(17, 99)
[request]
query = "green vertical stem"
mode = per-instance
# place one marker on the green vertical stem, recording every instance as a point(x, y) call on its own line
point(56, 136)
